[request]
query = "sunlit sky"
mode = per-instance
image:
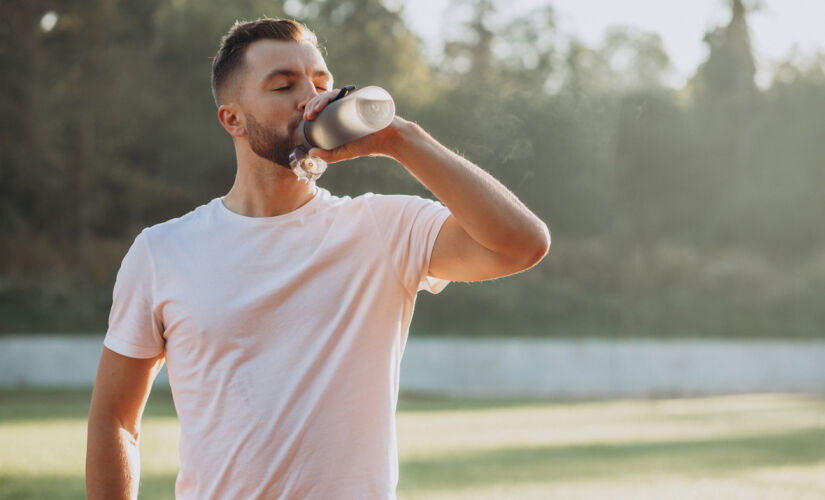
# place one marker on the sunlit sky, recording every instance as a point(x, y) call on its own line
point(778, 27)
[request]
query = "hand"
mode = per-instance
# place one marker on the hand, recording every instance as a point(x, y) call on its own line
point(317, 103)
point(380, 143)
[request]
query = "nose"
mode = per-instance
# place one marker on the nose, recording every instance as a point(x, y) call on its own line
point(308, 91)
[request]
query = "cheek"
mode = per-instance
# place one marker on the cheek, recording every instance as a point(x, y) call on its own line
point(278, 118)
point(270, 105)
point(269, 127)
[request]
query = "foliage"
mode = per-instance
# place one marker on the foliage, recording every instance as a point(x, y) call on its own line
point(673, 212)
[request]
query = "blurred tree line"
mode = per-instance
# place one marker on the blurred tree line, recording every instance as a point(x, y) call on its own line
point(674, 212)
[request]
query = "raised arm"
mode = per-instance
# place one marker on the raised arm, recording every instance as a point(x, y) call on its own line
point(490, 233)
point(121, 389)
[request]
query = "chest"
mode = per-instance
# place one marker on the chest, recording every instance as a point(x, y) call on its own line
point(249, 289)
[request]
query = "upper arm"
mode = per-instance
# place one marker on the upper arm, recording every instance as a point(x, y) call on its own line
point(121, 389)
point(458, 257)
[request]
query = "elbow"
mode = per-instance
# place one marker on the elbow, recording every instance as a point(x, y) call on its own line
point(543, 246)
point(538, 247)
point(110, 428)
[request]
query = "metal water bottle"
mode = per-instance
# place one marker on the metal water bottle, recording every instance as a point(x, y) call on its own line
point(351, 115)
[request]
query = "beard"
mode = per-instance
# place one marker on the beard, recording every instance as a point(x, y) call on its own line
point(271, 145)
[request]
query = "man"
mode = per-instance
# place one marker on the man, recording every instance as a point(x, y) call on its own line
point(281, 310)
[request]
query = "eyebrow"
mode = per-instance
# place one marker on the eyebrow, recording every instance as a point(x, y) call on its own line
point(291, 73)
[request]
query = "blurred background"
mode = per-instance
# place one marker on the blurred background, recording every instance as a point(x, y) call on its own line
point(681, 180)
point(675, 149)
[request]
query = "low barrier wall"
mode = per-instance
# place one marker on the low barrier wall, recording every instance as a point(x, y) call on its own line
point(612, 368)
point(510, 367)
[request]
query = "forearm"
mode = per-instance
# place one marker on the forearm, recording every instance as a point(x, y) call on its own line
point(485, 209)
point(112, 463)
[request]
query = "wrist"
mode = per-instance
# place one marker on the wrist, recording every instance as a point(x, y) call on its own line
point(404, 135)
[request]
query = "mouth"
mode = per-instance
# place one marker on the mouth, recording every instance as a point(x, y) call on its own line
point(293, 131)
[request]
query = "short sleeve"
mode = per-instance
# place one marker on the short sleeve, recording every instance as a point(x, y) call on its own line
point(135, 329)
point(409, 226)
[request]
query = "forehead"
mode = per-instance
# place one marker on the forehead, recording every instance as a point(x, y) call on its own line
point(265, 56)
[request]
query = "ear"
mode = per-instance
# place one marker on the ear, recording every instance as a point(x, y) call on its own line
point(231, 120)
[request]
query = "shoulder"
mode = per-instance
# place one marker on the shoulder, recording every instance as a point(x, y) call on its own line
point(394, 201)
point(194, 222)
point(370, 201)
point(386, 210)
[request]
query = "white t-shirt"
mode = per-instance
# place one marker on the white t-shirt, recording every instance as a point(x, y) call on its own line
point(283, 339)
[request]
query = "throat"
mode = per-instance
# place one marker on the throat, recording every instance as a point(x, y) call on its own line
point(276, 195)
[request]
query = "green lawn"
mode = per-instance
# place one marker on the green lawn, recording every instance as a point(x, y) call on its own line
point(738, 447)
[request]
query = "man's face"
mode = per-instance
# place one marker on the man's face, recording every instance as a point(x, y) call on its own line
point(278, 80)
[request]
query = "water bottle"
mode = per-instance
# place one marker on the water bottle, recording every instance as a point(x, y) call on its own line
point(351, 115)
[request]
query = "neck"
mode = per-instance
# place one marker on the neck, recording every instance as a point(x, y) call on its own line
point(266, 189)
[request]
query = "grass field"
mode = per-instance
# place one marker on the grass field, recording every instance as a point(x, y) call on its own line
point(740, 447)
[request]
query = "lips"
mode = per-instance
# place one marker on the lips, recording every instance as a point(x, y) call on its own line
point(292, 129)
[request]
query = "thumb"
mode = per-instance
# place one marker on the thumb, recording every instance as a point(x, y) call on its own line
point(331, 155)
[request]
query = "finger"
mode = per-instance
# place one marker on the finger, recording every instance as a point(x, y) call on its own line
point(317, 103)
point(332, 156)
point(364, 146)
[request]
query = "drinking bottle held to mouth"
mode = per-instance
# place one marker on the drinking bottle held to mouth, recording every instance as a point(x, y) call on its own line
point(351, 115)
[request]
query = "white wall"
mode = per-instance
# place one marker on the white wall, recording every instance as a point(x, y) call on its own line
point(612, 368)
point(51, 361)
point(512, 368)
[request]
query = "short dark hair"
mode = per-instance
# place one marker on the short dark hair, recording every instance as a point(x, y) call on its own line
point(233, 45)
